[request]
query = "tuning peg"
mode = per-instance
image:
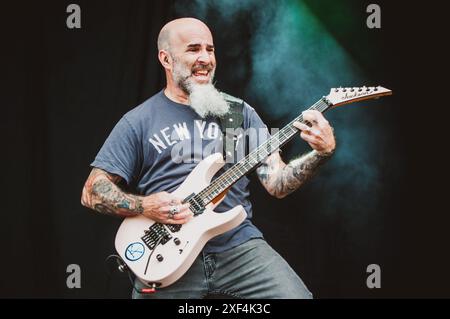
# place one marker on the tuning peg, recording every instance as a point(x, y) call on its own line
point(376, 88)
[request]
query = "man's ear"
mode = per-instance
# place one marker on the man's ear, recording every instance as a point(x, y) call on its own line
point(165, 59)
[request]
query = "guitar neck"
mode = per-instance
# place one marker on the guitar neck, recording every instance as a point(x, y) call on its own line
point(256, 157)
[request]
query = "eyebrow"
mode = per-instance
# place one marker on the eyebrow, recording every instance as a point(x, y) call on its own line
point(196, 45)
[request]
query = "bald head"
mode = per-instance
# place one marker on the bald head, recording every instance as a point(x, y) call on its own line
point(177, 31)
point(186, 51)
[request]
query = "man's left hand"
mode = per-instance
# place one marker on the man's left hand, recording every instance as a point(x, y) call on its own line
point(319, 135)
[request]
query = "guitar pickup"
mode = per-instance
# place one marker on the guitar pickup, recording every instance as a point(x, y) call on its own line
point(196, 207)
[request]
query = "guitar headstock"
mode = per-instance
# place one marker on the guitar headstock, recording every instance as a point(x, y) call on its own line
point(341, 96)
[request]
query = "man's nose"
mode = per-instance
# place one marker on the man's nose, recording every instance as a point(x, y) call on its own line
point(204, 57)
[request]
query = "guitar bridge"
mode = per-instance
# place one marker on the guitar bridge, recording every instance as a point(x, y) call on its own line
point(156, 232)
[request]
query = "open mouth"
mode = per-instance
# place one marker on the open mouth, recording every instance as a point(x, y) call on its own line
point(201, 74)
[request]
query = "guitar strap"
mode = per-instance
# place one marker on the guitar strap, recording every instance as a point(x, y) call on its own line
point(232, 125)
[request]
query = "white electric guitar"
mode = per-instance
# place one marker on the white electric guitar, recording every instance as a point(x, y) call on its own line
point(159, 254)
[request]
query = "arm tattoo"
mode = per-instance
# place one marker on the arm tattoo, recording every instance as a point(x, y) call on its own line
point(281, 181)
point(103, 195)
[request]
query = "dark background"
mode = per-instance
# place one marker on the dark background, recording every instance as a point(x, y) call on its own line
point(65, 89)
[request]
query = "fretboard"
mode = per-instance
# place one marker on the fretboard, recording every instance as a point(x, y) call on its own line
point(254, 158)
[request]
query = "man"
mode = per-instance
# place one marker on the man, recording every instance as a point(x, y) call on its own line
point(139, 155)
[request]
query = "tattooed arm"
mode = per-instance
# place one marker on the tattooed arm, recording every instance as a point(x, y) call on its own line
point(280, 179)
point(102, 194)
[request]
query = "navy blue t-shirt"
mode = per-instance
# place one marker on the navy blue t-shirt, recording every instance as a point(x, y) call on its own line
point(157, 144)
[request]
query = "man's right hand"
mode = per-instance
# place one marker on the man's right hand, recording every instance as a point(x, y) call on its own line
point(157, 207)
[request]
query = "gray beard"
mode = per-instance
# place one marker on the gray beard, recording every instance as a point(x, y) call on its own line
point(204, 99)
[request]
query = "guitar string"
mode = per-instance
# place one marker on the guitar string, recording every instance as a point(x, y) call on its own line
point(224, 179)
point(266, 149)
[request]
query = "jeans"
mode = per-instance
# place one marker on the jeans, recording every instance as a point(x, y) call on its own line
point(252, 270)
